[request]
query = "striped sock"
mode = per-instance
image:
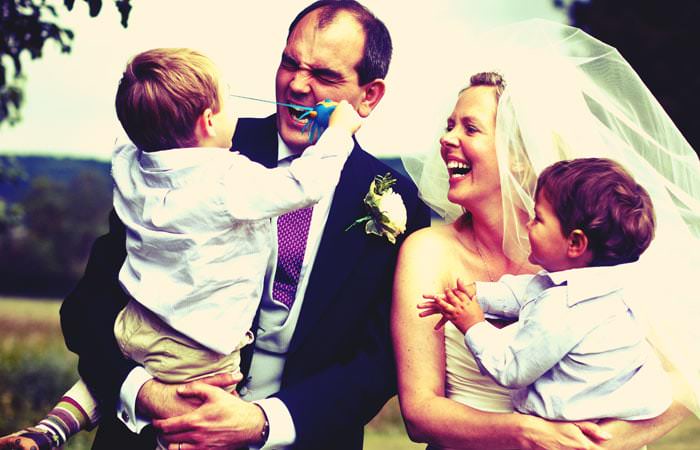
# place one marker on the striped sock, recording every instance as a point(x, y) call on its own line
point(65, 419)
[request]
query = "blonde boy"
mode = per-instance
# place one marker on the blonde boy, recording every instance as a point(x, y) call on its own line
point(199, 221)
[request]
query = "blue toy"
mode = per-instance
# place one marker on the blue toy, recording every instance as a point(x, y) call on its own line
point(319, 117)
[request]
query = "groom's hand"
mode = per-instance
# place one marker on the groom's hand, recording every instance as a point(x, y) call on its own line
point(158, 400)
point(221, 420)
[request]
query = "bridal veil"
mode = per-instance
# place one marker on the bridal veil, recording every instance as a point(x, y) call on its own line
point(570, 95)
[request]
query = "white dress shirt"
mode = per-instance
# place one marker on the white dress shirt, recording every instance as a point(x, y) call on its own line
point(276, 326)
point(578, 351)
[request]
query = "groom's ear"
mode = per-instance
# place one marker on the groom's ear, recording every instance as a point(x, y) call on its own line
point(372, 94)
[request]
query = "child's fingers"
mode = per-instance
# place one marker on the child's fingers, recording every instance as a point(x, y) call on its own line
point(432, 296)
point(469, 289)
point(441, 323)
point(461, 296)
point(444, 304)
point(452, 298)
point(429, 312)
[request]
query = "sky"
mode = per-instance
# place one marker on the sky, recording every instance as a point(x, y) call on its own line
point(69, 105)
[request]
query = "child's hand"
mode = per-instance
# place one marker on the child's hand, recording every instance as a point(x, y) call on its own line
point(469, 289)
point(345, 117)
point(456, 306)
point(17, 442)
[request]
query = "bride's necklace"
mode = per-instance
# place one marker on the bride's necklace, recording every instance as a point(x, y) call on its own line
point(483, 260)
point(481, 255)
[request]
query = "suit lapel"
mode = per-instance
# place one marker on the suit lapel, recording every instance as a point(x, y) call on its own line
point(339, 250)
point(257, 139)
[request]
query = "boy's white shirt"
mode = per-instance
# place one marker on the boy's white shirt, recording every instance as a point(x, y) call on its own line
point(199, 234)
point(266, 368)
point(575, 334)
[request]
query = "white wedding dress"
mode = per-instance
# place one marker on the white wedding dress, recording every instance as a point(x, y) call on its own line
point(464, 382)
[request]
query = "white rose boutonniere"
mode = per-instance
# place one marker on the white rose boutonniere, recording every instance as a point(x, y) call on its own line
point(386, 211)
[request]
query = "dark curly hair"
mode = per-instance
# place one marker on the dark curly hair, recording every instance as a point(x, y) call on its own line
point(599, 197)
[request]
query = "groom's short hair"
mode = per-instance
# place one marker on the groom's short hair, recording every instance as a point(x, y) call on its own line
point(376, 56)
point(161, 95)
point(599, 197)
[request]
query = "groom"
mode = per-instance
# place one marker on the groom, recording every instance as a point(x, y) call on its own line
point(322, 363)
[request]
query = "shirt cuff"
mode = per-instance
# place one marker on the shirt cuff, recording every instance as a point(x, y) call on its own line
point(126, 408)
point(282, 432)
point(491, 295)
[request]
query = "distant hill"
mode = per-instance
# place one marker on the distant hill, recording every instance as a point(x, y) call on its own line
point(57, 169)
point(65, 169)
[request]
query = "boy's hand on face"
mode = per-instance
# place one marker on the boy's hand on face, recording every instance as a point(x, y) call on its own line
point(459, 306)
point(345, 117)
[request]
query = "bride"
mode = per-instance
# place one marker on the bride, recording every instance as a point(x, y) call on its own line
point(553, 93)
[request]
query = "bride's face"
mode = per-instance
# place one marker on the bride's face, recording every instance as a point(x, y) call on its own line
point(468, 147)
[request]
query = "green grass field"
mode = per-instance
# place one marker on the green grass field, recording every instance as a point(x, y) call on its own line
point(36, 368)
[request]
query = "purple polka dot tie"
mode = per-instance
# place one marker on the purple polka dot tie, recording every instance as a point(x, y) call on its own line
point(292, 232)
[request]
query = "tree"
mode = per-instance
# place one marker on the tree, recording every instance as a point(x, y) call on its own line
point(659, 40)
point(10, 213)
point(46, 254)
point(25, 26)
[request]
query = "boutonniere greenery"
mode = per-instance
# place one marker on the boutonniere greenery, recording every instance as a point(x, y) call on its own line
point(386, 213)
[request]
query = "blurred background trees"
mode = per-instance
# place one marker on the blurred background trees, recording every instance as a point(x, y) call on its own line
point(25, 27)
point(64, 204)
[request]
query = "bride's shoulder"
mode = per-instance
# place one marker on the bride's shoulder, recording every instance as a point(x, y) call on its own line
point(435, 238)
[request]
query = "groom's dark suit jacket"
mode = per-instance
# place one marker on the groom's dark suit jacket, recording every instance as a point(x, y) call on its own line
point(339, 370)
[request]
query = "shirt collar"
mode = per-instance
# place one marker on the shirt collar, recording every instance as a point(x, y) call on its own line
point(589, 282)
point(283, 152)
point(177, 158)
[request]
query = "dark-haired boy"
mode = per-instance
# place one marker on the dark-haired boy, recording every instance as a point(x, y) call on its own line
point(577, 351)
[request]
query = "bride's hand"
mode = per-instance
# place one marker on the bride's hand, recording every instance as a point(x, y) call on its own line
point(540, 434)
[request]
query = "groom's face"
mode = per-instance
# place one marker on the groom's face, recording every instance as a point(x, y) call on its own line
point(318, 63)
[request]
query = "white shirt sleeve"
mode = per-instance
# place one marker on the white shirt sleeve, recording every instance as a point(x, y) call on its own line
point(542, 339)
point(126, 408)
point(504, 297)
point(282, 430)
point(252, 191)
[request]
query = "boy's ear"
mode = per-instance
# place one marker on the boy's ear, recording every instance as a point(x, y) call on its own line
point(578, 244)
point(204, 128)
point(373, 93)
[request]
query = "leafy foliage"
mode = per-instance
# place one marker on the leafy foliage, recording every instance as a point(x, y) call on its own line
point(25, 27)
point(10, 213)
point(659, 40)
point(65, 209)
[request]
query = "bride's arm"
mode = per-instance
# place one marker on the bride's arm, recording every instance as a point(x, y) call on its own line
point(420, 360)
point(634, 435)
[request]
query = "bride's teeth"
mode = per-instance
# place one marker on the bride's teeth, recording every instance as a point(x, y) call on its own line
point(458, 168)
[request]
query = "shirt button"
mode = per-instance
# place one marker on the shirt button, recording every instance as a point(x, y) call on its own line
point(125, 416)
